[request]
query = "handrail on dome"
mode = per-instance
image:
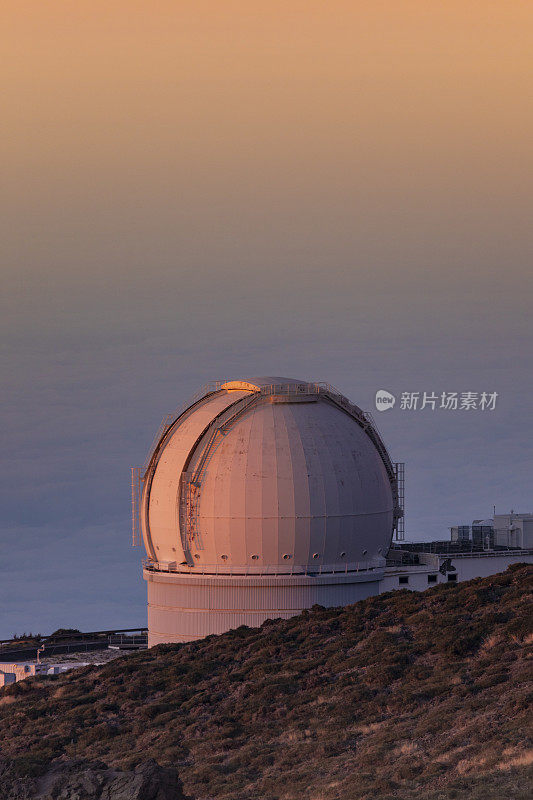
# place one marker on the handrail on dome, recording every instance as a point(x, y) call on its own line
point(267, 390)
point(273, 570)
point(168, 421)
point(395, 470)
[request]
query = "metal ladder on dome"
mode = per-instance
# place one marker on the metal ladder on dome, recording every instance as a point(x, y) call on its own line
point(190, 488)
point(220, 430)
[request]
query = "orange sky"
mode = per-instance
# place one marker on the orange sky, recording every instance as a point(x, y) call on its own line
point(383, 143)
point(268, 107)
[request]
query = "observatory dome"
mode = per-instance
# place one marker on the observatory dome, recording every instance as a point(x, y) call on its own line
point(268, 476)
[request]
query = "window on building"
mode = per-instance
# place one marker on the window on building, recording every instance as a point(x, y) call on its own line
point(452, 576)
point(403, 579)
point(432, 579)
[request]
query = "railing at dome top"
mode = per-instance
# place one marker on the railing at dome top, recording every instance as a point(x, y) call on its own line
point(395, 470)
point(168, 421)
point(190, 484)
point(364, 419)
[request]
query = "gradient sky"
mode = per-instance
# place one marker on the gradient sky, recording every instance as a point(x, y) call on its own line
point(336, 191)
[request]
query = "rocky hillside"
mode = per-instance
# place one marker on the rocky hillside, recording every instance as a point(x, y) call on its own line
point(404, 695)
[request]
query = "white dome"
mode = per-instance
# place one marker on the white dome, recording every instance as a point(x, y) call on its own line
point(269, 475)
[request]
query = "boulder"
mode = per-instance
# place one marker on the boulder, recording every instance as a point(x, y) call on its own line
point(79, 779)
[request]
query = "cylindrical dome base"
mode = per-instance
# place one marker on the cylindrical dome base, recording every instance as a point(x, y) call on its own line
point(183, 606)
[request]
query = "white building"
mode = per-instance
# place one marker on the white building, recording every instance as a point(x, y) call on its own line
point(434, 568)
point(501, 531)
point(6, 676)
point(19, 670)
point(266, 496)
point(513, 530)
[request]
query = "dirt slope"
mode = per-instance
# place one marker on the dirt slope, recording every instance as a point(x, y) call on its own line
point(404, 695)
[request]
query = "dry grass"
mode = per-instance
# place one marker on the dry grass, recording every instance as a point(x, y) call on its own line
point(7, 700)
point(406, 696)
point(406, 749)
point(491, 641)
point(523, 759)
